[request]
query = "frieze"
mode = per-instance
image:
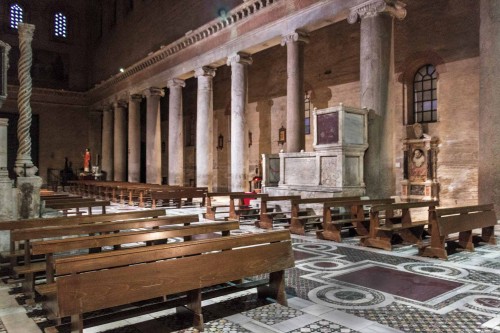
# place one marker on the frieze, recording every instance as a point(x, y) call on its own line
point(374, 7)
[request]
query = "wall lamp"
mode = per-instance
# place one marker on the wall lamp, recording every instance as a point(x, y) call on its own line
point(282, 135)
point(220, 142)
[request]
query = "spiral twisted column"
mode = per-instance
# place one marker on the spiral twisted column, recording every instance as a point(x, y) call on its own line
point(24, 166)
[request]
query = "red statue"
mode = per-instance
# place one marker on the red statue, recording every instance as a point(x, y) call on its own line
point(86, 160)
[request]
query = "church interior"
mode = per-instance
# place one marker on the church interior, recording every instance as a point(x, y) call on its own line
point(249, 166)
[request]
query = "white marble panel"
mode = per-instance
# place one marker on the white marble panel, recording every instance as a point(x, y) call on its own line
point(352, 167)
point(354, 128)
point(330, 175)
point(300, 170)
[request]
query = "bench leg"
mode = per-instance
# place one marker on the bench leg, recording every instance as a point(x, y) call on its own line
point(465, 240)
point(77, 323)
point(193, 308)
point(330, 232)
point(412, 235)
point(276, 288)
point(488, 235)
point(297, 227)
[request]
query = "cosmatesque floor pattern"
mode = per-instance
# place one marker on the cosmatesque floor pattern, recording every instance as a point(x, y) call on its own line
point(334, 287)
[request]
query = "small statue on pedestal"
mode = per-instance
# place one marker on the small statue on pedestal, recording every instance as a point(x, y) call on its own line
point(86, 161)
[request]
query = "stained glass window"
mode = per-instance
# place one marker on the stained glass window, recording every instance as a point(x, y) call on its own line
point(16, 15)
point(60, 25)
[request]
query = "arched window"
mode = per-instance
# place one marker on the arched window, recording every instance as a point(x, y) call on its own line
point(60, 25)
point(425, 94)
point(16, 15)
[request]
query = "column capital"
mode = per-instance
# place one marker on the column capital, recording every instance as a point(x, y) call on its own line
point(176, 83)
point(204, 71)
point(120, 104)
point(241, 58)
point(26, 31)
point(395, 8)
point(135, 98)
point(296, 36)
point(153, 92)
point(107, 107)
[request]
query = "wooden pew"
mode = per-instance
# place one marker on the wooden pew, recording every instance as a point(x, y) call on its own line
point(66, 206)
point(135, 275)
point(354, 210)
point(213, 209)
point(177, 194)
point(383, 227)
point(461, 220)
point(269, 216)
point(299, 221)
point(237, 207)
point(28, 235)
point(15, 247)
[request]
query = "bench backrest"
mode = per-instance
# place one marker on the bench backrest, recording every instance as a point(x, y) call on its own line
point(183, 267)
point(456, 219)
point(182, 192)
point(86, 242)
point(59, 231)
point(248, 195)
point(363, 202)
point(404, 205)
point(280, 198)
point(78, 204)
point(322, 200)
point(72, 220)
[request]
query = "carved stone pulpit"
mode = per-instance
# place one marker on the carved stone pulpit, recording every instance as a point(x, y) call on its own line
point(420, 166)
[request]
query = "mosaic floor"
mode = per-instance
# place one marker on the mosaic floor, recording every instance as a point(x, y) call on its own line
point(344, 288)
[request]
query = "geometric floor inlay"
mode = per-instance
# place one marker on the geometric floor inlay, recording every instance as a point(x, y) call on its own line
point(323, 326)
point(404, 284)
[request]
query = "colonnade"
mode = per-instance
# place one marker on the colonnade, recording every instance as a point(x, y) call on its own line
point(376, 35)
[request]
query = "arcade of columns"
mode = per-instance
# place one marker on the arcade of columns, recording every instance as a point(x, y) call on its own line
point(376, 35)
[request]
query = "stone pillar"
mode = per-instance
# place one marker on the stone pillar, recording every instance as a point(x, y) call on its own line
point(134, 138)
point(107, 142)
point(153, 135)
point(239, 99)
point(294, 42)
point(204, 127)
point(489, 104)
point(175, 133)
point(375, 63)
point(120, 142)
point(6, 199)
point(95, 136)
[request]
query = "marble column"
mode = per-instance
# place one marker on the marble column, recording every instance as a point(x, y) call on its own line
point(204, 127)
point(95, 136)
point(107, 142)
point(120, 141)
point(489, 104)
point(239, 99)
point(153, 135)
point(175, 133)
point(134, 138)
point(375, 78)
point(295, 42)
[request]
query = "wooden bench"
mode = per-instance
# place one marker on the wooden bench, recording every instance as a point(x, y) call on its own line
point(16, 250)
point(299, 221)
point(354, 214)
point(461, 220)
point(269, 216)
point(238, 208)
point(213, 209)
point(89, 204)
point(135, 275)
point(29, 269)
point(384, 226)
point(177, 194)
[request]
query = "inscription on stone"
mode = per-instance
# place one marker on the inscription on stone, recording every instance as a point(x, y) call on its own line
point(417, 190)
